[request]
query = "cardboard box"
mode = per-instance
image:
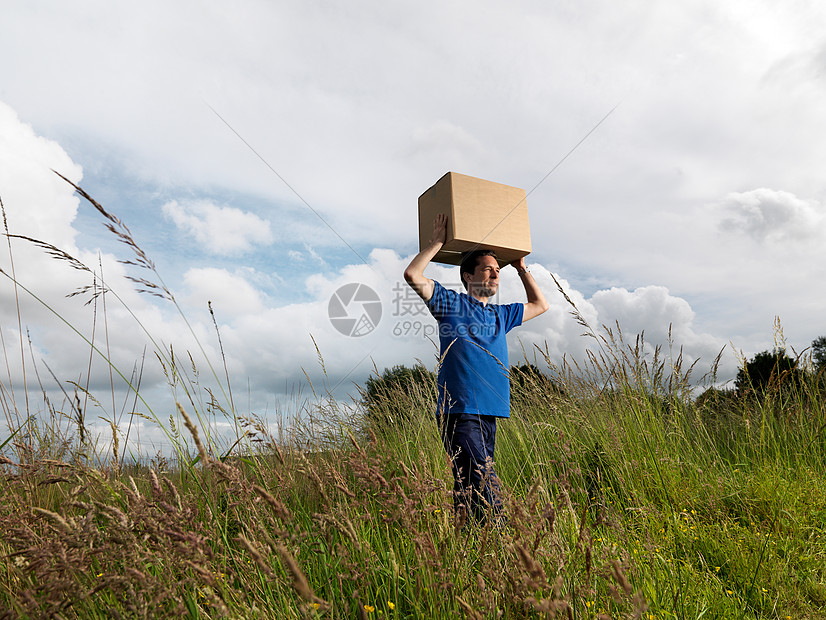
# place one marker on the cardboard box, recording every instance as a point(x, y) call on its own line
point(481, 215)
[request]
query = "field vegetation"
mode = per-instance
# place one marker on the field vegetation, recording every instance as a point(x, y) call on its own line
point(627, 495)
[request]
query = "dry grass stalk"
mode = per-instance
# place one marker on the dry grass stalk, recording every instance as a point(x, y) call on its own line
point(471, 613)
point(194, 432)
point(256, 555)
point(115, 442)
point(280, 510)
point(56, 518)
point(300, 583)
point(619, 575)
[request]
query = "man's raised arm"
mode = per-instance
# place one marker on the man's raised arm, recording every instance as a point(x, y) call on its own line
point(537, 304)
point(414, 274)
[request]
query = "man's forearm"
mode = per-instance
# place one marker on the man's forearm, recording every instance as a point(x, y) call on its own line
point(414, 274)
point(421, 260)
point(537, 304)
point(532, 289)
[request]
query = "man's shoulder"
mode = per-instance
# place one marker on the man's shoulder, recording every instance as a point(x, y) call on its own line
point(506, 306)
point(442, 289)
point(446, 302)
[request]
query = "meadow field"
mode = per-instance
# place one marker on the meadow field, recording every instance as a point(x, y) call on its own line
point(629, 493)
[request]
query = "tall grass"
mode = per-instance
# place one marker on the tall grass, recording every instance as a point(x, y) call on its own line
point(624, 498)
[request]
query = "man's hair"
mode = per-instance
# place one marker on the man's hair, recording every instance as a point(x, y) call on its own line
point(469, 262)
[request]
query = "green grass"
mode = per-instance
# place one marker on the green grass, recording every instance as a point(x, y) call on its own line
point(625, 498)
point(619, 504)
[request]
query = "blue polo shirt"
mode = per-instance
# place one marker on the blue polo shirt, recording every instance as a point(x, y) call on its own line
point(473, 374)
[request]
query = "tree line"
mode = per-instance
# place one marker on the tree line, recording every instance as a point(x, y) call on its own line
point(776, 369)
point(398, 392)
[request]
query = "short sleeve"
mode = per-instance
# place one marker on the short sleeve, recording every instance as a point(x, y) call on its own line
point(442, 302)
point(511, 315)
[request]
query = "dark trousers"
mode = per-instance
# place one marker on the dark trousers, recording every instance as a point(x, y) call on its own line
point(470, 440)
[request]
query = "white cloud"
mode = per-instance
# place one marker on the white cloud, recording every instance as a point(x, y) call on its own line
point(315, 255)
point(651, 309)
point(38, 203)
point(220, 230)
point(663, 320)
point(773, 216)
point(231, 295)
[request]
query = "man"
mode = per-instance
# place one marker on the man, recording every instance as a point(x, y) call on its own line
point(473, 382)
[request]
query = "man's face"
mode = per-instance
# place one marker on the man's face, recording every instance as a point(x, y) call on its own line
point(484, 282)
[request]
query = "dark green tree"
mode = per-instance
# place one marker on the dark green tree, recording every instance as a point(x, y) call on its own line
point(819, 353)
point(716, 401)
point(768, 371)
point(527, 378)
point(399, 394)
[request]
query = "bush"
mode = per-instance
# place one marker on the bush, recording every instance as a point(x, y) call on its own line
point(768, 371)
point(398, 396)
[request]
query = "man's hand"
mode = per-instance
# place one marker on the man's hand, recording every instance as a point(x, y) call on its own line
point(519, 264)
point(414, 274)
point(439, 229)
